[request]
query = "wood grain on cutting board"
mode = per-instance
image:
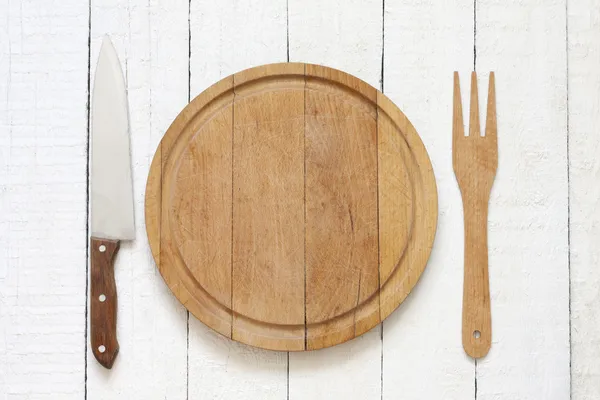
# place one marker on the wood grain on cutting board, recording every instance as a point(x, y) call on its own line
point(330, 33)
point(341, 208)
point(297, 144)
point(268, 210)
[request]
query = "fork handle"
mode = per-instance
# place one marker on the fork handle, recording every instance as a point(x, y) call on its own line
point(477, 320)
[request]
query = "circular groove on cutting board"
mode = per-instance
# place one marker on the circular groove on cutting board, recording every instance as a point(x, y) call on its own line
point(291, 207)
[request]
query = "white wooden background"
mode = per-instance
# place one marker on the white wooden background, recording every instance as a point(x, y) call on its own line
point(544, 211)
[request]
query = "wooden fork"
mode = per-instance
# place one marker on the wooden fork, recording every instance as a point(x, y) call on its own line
point(475, 160)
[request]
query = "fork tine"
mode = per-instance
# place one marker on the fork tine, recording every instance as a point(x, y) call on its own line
point(458, 127)
point(474, 129)
point(491, 128)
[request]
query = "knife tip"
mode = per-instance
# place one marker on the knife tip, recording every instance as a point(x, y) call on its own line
point(106, 40)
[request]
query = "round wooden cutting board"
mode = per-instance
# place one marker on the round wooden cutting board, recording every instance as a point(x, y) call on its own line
point(291, 207)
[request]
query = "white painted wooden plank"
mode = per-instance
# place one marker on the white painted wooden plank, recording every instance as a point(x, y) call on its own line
point(584, 151)
point(228, 36)
point(525, 42)
point(351, 370)
point(5, 56)
point(425, 42)
point(43, 92)
point(346, 35)
point(232, 35)
point(152, 41)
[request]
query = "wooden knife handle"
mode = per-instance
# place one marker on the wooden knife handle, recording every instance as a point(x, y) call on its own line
point(477, 316)
point(103, 301)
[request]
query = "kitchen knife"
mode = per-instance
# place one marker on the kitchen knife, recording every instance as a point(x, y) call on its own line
point(111, 199)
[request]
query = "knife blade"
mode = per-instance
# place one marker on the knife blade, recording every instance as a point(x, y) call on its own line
point(111, 198)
